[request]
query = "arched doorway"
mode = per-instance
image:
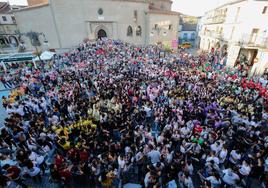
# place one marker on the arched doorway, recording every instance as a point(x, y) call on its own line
point(101, 34)
point(13, 40)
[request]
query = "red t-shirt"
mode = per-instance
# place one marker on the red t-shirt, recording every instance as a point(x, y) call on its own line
point(84, 156)
point(15, 170)
point(198, 129)
point(59, 161)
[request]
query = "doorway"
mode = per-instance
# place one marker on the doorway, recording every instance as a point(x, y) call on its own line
point(101, 34)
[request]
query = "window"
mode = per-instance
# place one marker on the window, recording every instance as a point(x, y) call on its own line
point(253, 35)
point(135, 15)
point(232, 33)
point(169, 27)
point(185, 36)
point(35, 39)
point(192, 36)
point(100, 11)
point(264, 10)
point(138, 31)
point(13, 19)
point(4, 18)
point(129, 31)
point(237, 14)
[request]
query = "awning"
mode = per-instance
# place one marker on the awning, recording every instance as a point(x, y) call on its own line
point(45, 56)
point(16, 57)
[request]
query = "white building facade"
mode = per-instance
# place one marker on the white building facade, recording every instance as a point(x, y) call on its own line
point(238, 28)
point(66, 23)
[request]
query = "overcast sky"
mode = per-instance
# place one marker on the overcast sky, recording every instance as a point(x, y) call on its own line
point(190, 7)
point(195, 7)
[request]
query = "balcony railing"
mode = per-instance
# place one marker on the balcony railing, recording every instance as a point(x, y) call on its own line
point(251, 41)
point(213, 34)
point(216, 20)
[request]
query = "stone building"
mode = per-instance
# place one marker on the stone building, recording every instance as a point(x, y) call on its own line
point(65, 23)
point(8, 27)
point(188, 29)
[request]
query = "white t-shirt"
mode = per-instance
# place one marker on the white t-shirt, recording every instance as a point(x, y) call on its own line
point(33, 171)
point(223, 155)
point(245, 169)
point(188, 182)
point(184, 132)
point(214, 182)
point(215, 159)
point(215, 147)
point(121, 163)
point(146, 179)
point(229, 177)
point(234, 157)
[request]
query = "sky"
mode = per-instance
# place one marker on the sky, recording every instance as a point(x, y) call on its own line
point(17, 2)
point(189, 7)
point(195, 7)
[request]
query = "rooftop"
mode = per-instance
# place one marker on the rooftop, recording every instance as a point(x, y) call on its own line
point(4, 8)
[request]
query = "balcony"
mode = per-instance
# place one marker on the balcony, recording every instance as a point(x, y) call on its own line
point(253, 41)
point(213, 34)
point(217, 19)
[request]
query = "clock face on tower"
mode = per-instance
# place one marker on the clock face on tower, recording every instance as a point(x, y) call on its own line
point(100, 11)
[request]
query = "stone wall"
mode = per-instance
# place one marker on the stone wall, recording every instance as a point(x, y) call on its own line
point(66, 23)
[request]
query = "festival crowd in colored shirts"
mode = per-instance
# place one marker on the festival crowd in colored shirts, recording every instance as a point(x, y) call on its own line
point(110, 113)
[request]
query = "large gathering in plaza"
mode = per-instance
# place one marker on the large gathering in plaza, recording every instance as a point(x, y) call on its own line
point(134, 113)
point(110, 112)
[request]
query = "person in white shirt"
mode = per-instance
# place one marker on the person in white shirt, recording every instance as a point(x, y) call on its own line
point(244, 168)
point(188, 182)
point(154, 155)
point(185, 132)
point(33, 172)
point(235, 156)
point(223, 154)
point(212, 157)
point(216, 147)
point(214, 180)
point(229, 177)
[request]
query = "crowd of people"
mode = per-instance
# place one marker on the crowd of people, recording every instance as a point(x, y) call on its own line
point(110, 113)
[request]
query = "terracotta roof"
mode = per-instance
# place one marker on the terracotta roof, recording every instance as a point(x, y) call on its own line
point(36, 2)
point(32, 7)
point(4, 8)
point(163, 12)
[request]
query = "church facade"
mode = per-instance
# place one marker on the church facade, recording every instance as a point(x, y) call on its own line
point(66, 23)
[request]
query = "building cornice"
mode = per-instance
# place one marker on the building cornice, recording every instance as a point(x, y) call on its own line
point(163, 12)
point(135, 1)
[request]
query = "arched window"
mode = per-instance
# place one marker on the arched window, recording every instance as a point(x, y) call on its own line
point(13, 40)
point(138, 31)
point(129, 31)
